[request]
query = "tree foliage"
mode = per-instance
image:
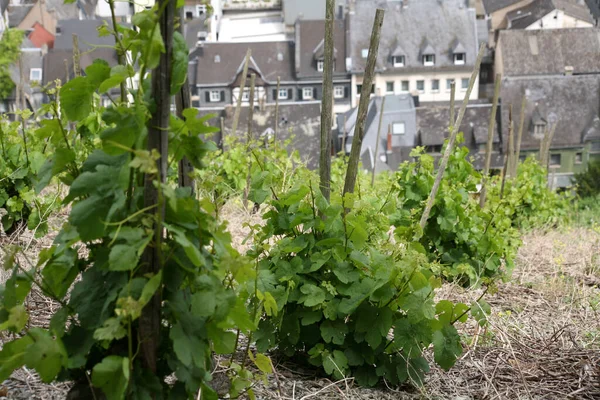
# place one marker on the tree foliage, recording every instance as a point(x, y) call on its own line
point(10, 48)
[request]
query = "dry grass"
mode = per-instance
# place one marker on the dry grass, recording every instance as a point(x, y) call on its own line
point(542, 340)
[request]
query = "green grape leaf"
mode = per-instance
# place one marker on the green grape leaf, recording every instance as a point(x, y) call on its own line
point(12, 356)
point(334, 331)
point(45, 355)
point(112, 376)
point(180, 62)
point(76, 98)
point(446, 346)
point(313, 295)
point(111, 329)
point(335, 364)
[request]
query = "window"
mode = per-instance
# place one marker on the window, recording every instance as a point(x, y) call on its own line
point(555, 160)
point(389, 87)
point(449, 85)
point(283, 94)
point(428, 60)
point(398, 61)
point(339, 92)
point(35, 74)
point(365, 53)
point(307, 93)
point(246, 95)
point(405, 86)
point(189, 15)
point(539, 129)
point(320, 65)
point(398, 128)
point(215, 96)
point(201, 9)
point(595, 146)
point(421, 86)
point(435, 85)
point(217, 59)
point(460, 58)
point(464, 83)
point(578, 158)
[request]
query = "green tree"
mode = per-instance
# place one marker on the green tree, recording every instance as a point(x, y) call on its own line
point(588, 182)
point(10, 48)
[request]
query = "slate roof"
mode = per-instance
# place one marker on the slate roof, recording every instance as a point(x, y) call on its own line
point(594, 6)
point(433, 120)
point(571, 102)
point(306, 9)
point(525, 16)
point(491, 6)
point(302, 121)
point(397, 108)
point(191, 29)
point(87, 32)
point(54, 62)
point(3, 5)
point(309, 45)
point(549, 51)
point(264, 62)
point(424, 24)
point(17, 13)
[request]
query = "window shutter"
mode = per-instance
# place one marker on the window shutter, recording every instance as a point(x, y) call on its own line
point(300, 94)
point(315, 94)
point(275, 94)
point(222, 96)
point(207, 96)
point(345, 92)
point(290, 94)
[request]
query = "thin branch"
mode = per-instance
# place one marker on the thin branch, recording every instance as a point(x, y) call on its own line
point(520, 136)
point(450, 145)
point(276, 130)
point(359, 128)
point(378, 140)
point(490, 141)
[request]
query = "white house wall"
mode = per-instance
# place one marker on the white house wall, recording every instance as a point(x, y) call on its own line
point(558, 20)
point(428, 94)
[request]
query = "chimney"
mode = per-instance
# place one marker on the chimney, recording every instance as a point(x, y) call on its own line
point(389, 140)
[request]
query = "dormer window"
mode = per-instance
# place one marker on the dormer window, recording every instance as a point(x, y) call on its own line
point(460, 58)
point(398, 61)
point(320, 65)
point(35, 74)
point(428, 60)
point(364, 53)
point(539, 129)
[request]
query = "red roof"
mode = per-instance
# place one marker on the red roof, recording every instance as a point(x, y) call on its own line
point(40, 36)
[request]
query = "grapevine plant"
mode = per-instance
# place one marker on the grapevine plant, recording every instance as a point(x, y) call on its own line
point(22, 159)
point(349, 300)
point(96, 267)
point(468, 244)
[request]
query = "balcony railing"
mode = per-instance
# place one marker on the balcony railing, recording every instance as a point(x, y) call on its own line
point(251, 4)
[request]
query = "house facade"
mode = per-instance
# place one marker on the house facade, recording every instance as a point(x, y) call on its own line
point(215, 72)
point(551, 14)
point(414, 57)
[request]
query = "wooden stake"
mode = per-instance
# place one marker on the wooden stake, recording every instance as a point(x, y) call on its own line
point(276, 130)
point(359, 127)
point(378, 140)
point(450, 145)
point(183, 101)
point(76, 57)
point(158, 128)
point(489, 146)
point(519, 137)
point(327, 104)
point(249, 141)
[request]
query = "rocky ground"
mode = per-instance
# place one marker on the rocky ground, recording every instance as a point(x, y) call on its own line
point(542, 340)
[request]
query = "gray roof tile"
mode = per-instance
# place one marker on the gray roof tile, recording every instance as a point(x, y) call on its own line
point(423, 26)
point(549, 51)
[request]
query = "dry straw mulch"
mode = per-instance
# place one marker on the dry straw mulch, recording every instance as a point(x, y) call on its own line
point(542, 340)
